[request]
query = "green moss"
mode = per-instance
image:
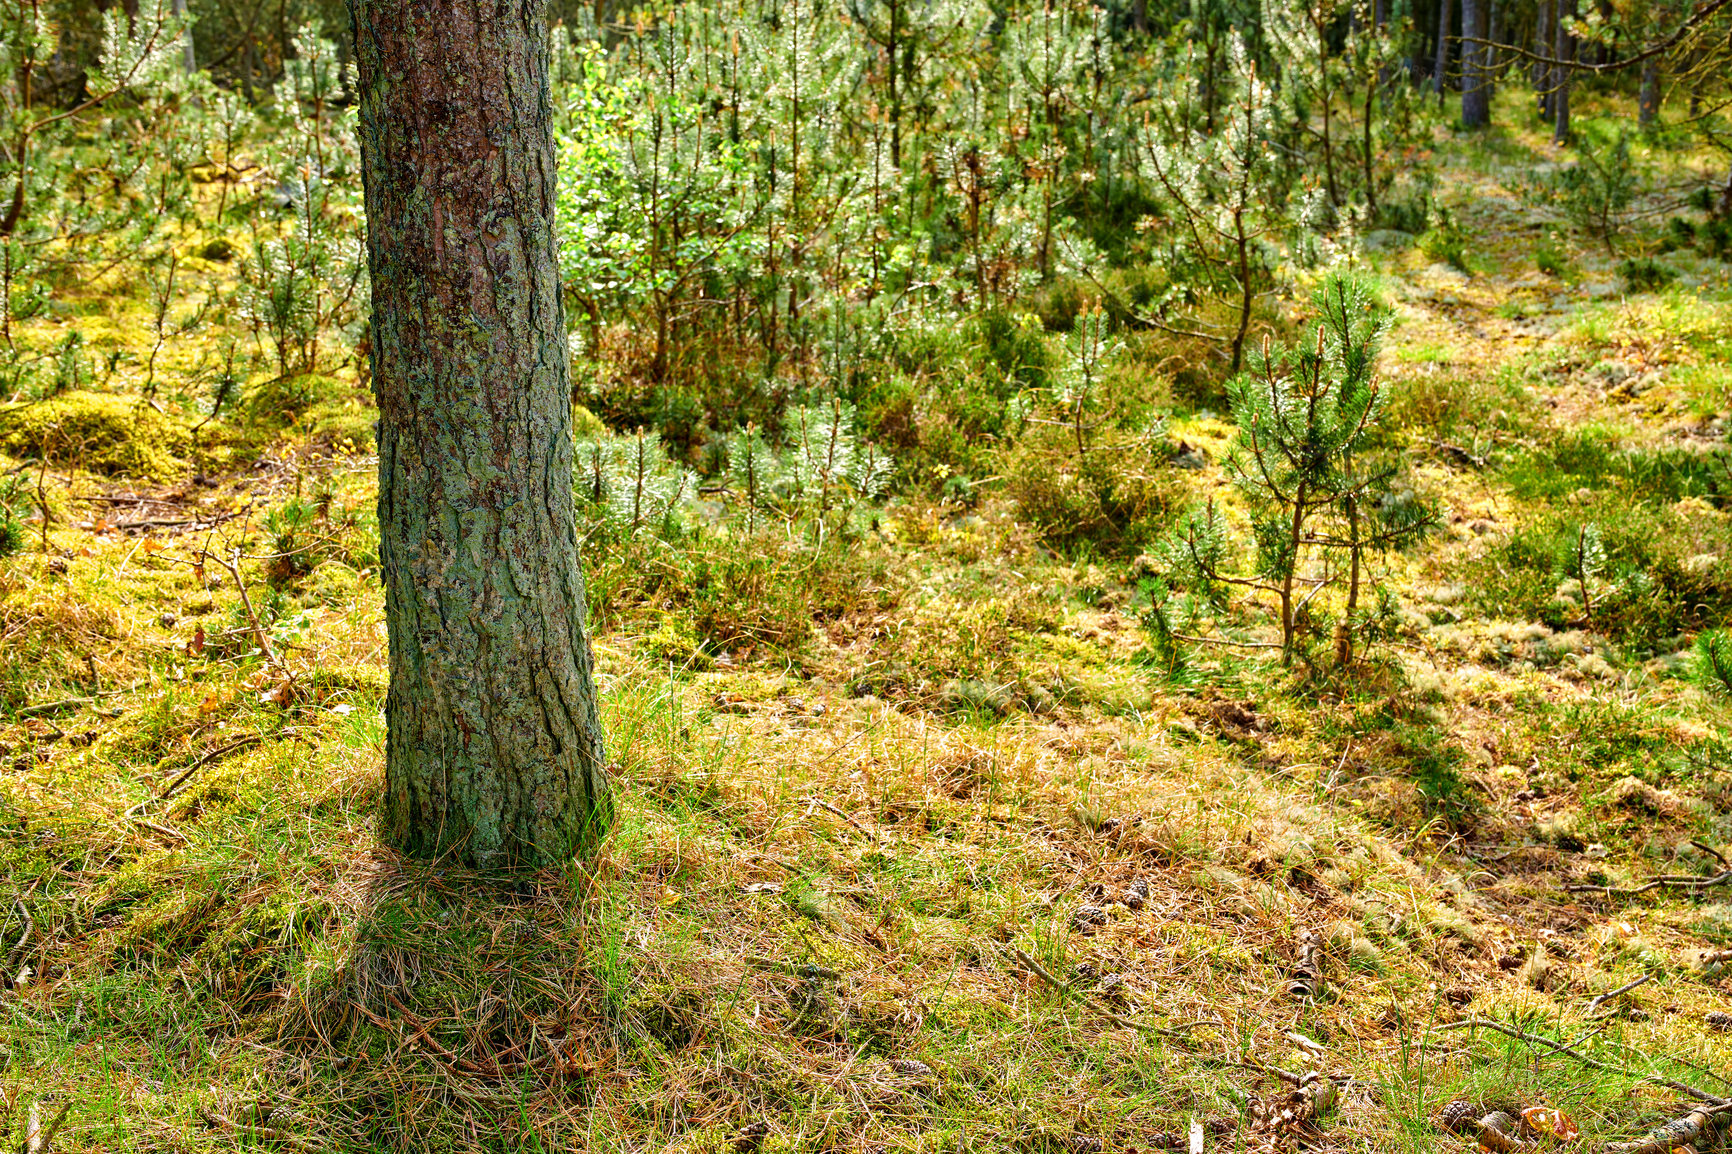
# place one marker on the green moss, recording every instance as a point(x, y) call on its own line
point(585, 425)
point(282, 400)
point(366, 680)
point(101, 432)
point(347, 423)
point(675, 642)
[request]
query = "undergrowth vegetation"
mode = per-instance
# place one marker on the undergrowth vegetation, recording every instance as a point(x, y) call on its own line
point(1130, 559)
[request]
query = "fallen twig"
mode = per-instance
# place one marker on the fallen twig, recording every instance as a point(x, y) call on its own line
point(259, 634)
point(169, 789)
point(36, 1139)
point(268, 1133)
point(1305, 979)
point(805, 970)
point(458, 1087)
point(162, 829)
point(1623, 989)
point(51, 706)
point(1712, 852)
point(1591, 1063)
point(1669, 881)
point(1460, 454)
point(828, 808)
point(16, 953)
point(488, 1071)
point(1679, 1132)
point(1112, 1015)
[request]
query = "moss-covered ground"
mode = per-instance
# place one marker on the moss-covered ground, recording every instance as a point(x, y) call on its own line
point(929, 856)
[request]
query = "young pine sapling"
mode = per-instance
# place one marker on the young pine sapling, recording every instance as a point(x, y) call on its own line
point(1322, 500)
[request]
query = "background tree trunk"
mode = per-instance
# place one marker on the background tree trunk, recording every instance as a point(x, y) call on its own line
point(494, 747)
point(1475, 82)
point(1492, 58)
point(1648, 99)
point(188, 58)
point(1443, 29)
point(1542, 75)
point(1565, 54)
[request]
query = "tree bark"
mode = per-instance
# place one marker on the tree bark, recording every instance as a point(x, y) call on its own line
point(188, 58)
point(1648, 99)
point(1565, 53)
point(1443, 19)
point(1491, 58)
point(1542, 76)
point(1475, 83)
point(493, 752)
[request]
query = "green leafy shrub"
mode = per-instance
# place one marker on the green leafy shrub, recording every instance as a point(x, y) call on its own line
point(1647, 577)
point(1446, 241)
point(11, 525)
point(279, 401)
point(1592, 457)
point(1550, 259)
point(756, 559)
point(1598, 191)
point(1087, 471)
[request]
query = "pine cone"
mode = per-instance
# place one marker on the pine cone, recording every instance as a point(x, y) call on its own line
point(911, 1068)
point(1138, 895)
point(1462, 1117)
point(1719, 1020)
point(749, 1139)
point(1497, 1132)
point(1087, 918)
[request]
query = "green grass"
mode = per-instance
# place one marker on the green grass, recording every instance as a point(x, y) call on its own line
point(859, 780)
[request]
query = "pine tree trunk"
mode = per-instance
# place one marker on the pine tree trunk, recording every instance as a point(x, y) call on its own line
point(1648, 99)
point(494, 748)
point(1492, 57)
point(1565, 54)
point(1444, 13)
point(188, 59)
point(1475, 85)
point(1543, 47)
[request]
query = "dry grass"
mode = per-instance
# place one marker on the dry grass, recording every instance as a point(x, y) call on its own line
point(807, 931)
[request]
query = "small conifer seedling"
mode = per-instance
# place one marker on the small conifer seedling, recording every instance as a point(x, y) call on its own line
point(1322, 499)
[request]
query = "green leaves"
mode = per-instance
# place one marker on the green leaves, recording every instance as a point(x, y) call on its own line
point(1304, 412)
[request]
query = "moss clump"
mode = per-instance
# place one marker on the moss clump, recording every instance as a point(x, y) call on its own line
point(100, 432)
point(346, 424)
point(281, 400)
point(585, 425)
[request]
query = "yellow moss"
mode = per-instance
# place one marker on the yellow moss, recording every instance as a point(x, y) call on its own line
point(585, 425)
point(100, 432)
point(280, 400)
point(348, 423)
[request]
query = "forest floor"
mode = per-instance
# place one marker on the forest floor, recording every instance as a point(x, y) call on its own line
point(960, 873)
